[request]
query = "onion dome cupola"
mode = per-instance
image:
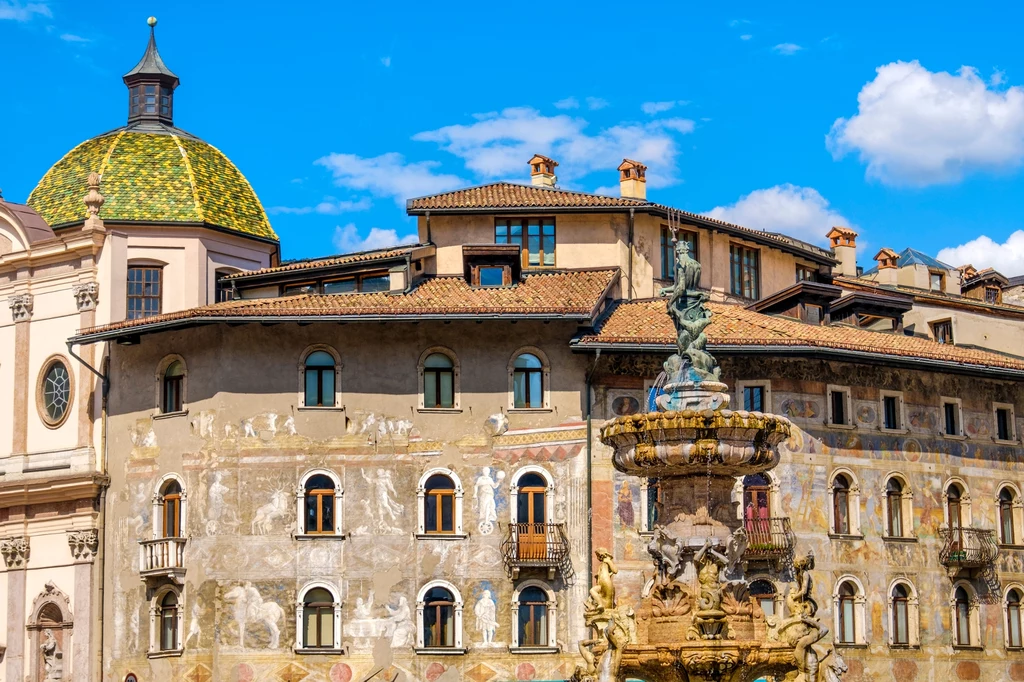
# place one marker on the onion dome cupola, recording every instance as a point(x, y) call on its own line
point(152, 173)
point(151, 85)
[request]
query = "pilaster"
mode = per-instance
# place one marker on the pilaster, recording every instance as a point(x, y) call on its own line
point(15, 551)
point(83, 545)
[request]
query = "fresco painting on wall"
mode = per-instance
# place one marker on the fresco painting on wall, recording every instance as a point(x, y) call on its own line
point(485, 497)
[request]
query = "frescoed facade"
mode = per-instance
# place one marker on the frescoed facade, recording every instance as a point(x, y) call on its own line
point(387, 465)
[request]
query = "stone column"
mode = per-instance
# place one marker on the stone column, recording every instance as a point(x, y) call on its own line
point(83, 544)
point(15, 552)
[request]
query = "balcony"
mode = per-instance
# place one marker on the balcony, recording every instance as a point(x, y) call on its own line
point(537, 545)
point(966, 548)
point(163, 557)
point(768, 539)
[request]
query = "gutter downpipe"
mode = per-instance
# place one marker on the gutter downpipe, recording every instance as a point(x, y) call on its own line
point(629, 293)
point(590, 474)
point(101, 516)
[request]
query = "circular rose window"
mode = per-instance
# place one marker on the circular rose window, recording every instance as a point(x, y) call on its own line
point(55, 393)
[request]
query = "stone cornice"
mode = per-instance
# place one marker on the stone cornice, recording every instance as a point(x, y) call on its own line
point(50, 489)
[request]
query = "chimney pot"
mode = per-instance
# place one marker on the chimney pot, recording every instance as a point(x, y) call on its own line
point(844, 245)
point(542, 171)
point(632, 179)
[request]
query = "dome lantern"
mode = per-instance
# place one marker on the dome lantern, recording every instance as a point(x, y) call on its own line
point(151, 86)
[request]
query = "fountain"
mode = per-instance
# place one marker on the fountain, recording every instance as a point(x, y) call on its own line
point(698, 621)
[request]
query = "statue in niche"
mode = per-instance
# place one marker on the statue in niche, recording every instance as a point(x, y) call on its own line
point(687, 306)
point(53, 664)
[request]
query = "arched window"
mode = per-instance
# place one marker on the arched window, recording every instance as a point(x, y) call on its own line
point(318, 618)
point(962, 617)
point(847, 633)
point(1014, 638)
point(173, 383)
point(169, 622)
point(954, 506)
point(894, 507)
point(170, 513)
point(1007, 536)
point(534, 628)
point(841, 505)
point(439, 615)
point(319, 379)
point(165, 623)
point(318, 504)
point(438, 381)
point(900, 615)
point(528, 382)
point(757, 509)
point(439, 505)
point(531, 488)
point(765, 594)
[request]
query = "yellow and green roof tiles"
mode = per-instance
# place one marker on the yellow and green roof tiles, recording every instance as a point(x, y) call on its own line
point(150, 177)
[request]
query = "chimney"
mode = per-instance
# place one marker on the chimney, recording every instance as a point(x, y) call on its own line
point(542, 171)
point(844, 246)
point(632, 179)
point(887, 266)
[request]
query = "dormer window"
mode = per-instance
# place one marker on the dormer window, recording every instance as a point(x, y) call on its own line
point(491, 275)
point(936, 281)
point(536, 236)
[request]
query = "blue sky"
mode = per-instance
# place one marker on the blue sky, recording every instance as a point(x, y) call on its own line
point(788, 118)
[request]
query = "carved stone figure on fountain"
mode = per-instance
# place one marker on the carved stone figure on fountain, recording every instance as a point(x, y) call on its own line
point(616, 626)
point(709, 620)
point(804, 632)
point(602, 595)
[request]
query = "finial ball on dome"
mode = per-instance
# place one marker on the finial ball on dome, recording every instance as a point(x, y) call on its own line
point(151, 21)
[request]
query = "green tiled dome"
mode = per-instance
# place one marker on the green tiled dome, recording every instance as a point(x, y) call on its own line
point(152, 174)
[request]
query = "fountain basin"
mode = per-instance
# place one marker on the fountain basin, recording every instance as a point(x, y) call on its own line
point(716, 443)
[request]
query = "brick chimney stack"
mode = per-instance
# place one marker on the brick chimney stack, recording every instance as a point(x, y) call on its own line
point(632, 179)
point(542, 171)
point(844, 246)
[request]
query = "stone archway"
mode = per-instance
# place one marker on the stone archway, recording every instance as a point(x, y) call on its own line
point(51, 617)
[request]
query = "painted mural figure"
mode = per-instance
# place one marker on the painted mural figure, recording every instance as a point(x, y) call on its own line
point(52, 664)
point(249, 607)
point(626, 515)
point(483, 493)
point(486, 612)
point(401, 622)
point(364, 609)
point(385, 498)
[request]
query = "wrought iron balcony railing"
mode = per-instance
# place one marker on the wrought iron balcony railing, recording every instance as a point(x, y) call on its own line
point(768, 538)
point(162, 557)
point(967, 547)
point(537, 545)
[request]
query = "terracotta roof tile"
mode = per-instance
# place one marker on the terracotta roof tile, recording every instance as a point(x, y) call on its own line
point(510, 195)
point(576, 293)
point(342, 259)
point(647, 322)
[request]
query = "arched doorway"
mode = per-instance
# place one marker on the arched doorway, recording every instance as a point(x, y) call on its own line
point(531, 514)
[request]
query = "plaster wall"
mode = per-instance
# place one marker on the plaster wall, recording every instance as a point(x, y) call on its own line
point(814, 451)
point(243, 447)
point(1002, 334)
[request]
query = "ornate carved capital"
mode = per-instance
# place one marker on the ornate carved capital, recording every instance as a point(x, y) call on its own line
point(21, 307)
point(15, 551)
point(86, 295)
point(83, 543)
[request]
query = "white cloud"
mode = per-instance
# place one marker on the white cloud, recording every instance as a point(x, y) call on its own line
point(983, 252)
point(567, 103)
point(917, 127)
point(348, 240)
point(23, 12)
point(799, 212)
point(389, 175)
point(72, 38)
point(500, 144)
point(787, 48)
point(386, 61)
point(746, 36)
point(326, 207)
point(657, 107)
point(595, 103)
